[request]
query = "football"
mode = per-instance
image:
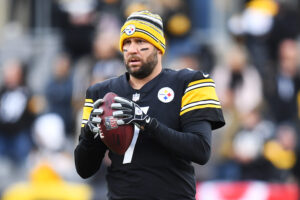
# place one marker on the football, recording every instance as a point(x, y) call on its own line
point(116, 138)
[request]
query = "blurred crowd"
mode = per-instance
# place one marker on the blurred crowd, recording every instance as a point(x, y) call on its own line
point(51, 51)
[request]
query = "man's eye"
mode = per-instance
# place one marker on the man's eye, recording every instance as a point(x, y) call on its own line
point(126, 42)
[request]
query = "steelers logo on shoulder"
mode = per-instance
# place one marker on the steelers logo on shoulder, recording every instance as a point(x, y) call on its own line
point(130, 29)
point(165, 95)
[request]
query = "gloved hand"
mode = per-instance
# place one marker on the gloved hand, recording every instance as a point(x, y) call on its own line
point(94, 119)
point(129, 112)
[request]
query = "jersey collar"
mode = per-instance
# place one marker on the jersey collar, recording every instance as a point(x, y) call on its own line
point(147, 87)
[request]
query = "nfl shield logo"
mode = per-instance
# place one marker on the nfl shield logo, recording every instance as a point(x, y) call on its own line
point(135, 97)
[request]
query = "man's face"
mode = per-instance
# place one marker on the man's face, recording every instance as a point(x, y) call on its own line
point(140, 57)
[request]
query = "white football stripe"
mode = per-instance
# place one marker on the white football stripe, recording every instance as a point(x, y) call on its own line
point(89, 105)
point(200, 103)
point(129, 152)
point(199, 85)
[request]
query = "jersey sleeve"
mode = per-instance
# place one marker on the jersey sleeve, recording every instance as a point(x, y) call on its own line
point(200, 102)
point(90, 151)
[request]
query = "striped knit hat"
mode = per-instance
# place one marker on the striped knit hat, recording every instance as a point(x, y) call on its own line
point(146, 25)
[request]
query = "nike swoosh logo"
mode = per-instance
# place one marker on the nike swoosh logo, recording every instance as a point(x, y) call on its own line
point(147, 120)
point(205, 75)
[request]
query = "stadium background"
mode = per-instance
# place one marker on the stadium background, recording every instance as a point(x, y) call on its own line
point(250, 48)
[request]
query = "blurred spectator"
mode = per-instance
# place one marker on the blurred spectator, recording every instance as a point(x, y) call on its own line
point(76, 22)
point(177, 21)
point(239, 84)
point(105, 48)
point(240, 93)
point(286, 26)
point(108, 61)
point(178, 28)
point(281, 152)
point(58, 91)
point(51, 146)
point(247, 161)
point(16, 113)
point(50, 166)
point(254, 24)
point(284, 87)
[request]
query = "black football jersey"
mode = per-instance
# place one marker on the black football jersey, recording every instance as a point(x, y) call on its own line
point(175, 99)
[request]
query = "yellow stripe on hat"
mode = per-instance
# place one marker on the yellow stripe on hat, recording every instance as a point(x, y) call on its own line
point(140, 25)
point(159, 31)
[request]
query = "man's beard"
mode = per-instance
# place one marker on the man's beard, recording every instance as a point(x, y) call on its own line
point(146, 67)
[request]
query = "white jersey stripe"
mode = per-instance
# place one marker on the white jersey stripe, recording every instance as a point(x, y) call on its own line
point(200, 103)
point(200, 85)
point(89, 105)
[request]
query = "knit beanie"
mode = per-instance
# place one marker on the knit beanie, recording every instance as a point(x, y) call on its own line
point(146, 25)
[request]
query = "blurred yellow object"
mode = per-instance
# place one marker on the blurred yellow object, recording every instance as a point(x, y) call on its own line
point(37, 104)
point(281, 158)
point(43, 174)
point(266, 6)
point(179, 24)
point(45, 183)
point(134, 7)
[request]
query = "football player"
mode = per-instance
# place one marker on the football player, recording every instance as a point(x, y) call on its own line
point(174, 113)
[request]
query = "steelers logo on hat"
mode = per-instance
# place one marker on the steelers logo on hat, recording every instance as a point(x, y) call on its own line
point(165, 95)
point(130, 29)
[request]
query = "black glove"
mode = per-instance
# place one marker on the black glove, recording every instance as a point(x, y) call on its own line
point(94, 119)
point(129, 112)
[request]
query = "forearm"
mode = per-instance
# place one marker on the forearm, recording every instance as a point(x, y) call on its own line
point(88, 155)
point(192, 144)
